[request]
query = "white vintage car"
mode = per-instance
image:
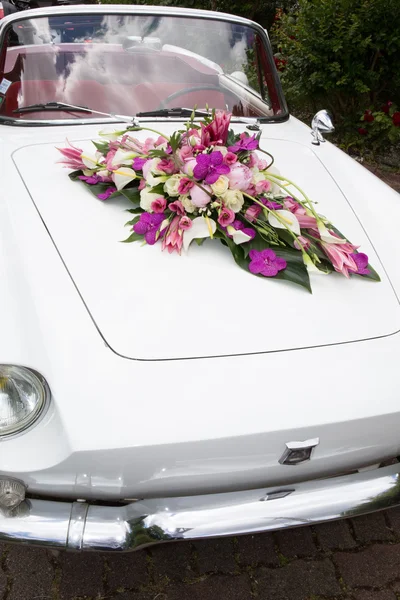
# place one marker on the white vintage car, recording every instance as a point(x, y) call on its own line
point(146, 397)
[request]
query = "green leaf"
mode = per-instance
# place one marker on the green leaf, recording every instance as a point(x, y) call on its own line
point(158, 189)
point(98, 188)
point(232, 138)
point(175, 141)
point(199, 241)
point(238, 254)
point(74, 175)
point(135, 211)
point(295, 271)
point(373, 275)
point(131, 194)
point(157, 154)
point(102, 147)
point(133, 221)
point(134, 237)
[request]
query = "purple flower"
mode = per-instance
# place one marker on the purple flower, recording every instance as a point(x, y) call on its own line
point(209, 167)
point(138, 163)
point(91, 179)
point(245, 142)
point(149, 225)
point(271, 204)
point(361, 261)
point(266, 263)
point(239, 226)
point(105, 195)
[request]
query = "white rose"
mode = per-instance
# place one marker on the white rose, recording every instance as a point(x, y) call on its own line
point(172, 184)
point(220, 186)
point(187, 204)
point(234, 200)
point(146, 198)
point(222, 149)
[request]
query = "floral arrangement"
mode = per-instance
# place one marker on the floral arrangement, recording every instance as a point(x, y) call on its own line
point(205, 181)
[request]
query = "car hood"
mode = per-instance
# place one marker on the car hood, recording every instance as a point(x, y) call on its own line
point(150, 305)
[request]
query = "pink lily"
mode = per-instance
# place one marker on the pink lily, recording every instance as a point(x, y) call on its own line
point(173, 238)
point(73, 157)
point(340, 257)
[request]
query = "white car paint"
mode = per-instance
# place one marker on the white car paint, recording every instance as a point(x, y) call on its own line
point(122, 428)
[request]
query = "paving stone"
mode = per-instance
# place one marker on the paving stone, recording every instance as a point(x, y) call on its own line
point(138, 595)
point(3, 576)
point(296, 542)
point(214, 587)
point(368, 595)
point(371, 528)
point(31, 571)
point(394, 519)
point(81, 575)
point(335, 536)
point(256, 550)
point(299, 580)
point(127, 570)
point(215, 556)
point(172, 561)
point(374, 567)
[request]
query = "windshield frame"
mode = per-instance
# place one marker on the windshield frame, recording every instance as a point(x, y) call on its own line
point(142, 10)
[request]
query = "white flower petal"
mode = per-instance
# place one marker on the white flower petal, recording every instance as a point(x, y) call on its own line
point(200, 229)
point(123, 157)
point(311, 268)
point(123, 176)
point(112, 135)
point(89, 160)
point(240, 238)
point(273, 171)
point(328, 237)
point(289, 221)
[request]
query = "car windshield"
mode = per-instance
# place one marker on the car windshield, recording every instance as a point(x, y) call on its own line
point(134, 63)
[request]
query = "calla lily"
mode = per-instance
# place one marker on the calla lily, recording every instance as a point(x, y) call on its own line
point(123, 157)
point(327, 237)
point(122, 177)
point(153, 180)
point(201, 228)
point(89, 160)
point(238, 236)
point(112, 135)
point(285, 220)
point(311, 268)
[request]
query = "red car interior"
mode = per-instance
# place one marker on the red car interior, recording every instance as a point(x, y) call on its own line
point(109, 81)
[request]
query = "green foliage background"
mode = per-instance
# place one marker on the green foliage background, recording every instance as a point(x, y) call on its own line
point(343, 55)
point(262, 11)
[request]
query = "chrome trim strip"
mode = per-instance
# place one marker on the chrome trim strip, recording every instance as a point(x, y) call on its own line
point(77, 525)
point(147, 522)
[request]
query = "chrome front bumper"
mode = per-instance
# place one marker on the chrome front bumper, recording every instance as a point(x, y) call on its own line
point(82, 526)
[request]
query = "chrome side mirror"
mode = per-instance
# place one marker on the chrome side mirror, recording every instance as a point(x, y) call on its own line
point(321, 123)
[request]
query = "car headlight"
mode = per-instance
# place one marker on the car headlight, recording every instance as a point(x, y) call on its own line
point(23, 397)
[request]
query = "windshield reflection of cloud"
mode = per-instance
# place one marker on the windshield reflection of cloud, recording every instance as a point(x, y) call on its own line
point(220, 42)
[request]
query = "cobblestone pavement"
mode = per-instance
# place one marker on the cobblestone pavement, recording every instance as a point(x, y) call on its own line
point(358, 559)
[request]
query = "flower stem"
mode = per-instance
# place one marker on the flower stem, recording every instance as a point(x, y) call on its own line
point(277, 178)
point(280, 219)
point(268, 154)
point(150, 129)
